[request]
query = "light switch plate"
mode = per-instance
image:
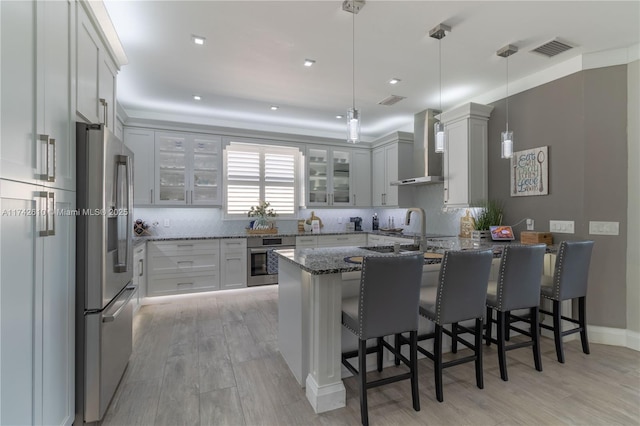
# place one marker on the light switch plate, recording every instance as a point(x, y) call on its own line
point(604, 228)
point(530, 224)
point(167, 223)
point(562, 226)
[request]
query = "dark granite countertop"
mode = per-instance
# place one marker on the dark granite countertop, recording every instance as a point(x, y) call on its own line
point(332, 260)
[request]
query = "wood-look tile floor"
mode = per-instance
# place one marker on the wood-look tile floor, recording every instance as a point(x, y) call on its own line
point(213, 359)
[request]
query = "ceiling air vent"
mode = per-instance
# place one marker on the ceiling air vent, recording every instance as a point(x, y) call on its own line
point(391, 100)
point(552, 48)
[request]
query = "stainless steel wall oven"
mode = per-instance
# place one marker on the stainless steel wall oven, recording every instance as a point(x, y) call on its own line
point(261, 266)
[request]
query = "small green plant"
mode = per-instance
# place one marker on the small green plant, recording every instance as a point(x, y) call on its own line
point(261, 210)
point(486, 214)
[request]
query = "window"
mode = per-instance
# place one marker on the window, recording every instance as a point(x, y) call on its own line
point(257, 173)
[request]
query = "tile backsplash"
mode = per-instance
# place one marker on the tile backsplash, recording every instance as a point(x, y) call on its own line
point(205, 222)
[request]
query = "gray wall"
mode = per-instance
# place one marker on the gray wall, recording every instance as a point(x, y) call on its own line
point(633, 248)
point(583, 120)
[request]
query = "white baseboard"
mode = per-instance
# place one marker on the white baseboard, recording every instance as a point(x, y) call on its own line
point(614, 336)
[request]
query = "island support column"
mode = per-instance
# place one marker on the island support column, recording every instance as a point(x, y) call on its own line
point(324, 388)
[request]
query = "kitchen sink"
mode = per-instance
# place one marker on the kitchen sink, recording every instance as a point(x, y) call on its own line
point(389, 249)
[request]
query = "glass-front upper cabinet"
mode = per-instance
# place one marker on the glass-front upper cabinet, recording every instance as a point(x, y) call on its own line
point(329, 177)
point(188, 169)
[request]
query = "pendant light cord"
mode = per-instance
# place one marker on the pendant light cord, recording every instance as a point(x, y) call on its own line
point(440, 69)
point(507, 93)
point(353, 55)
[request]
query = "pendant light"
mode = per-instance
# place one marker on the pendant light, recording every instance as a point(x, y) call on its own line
point(353, 115)
point(439, 32)
point(506, 146)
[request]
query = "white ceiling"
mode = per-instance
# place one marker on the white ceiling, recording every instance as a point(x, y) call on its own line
point(254, 53)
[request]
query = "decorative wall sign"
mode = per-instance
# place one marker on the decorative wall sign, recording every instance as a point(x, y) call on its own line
point(530, 172)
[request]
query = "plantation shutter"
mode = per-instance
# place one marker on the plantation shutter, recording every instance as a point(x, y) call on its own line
point(257, 173)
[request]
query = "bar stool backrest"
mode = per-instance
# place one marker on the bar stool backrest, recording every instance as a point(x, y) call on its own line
point(571, 273)
point(521, 269)
point(389, 295)
point(462, 285)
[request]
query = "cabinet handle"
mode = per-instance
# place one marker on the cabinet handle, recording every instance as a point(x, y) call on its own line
point(190, 262)
point(185, 245)
point(105, 105)
point(52, 143)
point(44, 139)
point(354, 199)
point(342, 238)
point(191, 196)
point(151, 195)
point(141, 273)
point(51, 213)
point(179, 284)
point(44, 230)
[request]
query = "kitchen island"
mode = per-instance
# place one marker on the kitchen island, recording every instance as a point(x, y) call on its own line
point(312, 284)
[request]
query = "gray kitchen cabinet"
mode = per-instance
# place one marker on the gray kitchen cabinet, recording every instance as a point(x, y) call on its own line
point(307, 241)
point(465, 160)
point(188, 169)
point(361, 178)
point(342, 240)
point(329, 176)
point(141, 142)
point(183, 266)
point(37, 304)
point(233, 263)
point(389, 163)
point(96, 80)
point(139, 274)
point(37, 140)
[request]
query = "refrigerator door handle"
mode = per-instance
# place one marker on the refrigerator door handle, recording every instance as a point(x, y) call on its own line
point(123, 209)
point(127, 294)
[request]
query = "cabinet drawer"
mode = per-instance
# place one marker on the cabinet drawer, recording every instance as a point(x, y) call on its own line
point(234, 245)
point(186, 247)
point(183, 284)
point(342, 240)
point(161, 264)
point(307, 241)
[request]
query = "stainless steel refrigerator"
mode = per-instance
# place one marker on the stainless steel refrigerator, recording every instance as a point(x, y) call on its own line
point(104, 259)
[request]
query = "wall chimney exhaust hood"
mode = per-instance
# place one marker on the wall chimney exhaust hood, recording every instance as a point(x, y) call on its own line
point(427, 165)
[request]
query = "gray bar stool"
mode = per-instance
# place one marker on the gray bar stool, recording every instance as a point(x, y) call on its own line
point(386, 305)
point(460, 295)
point(569, 281)
point(517, 287)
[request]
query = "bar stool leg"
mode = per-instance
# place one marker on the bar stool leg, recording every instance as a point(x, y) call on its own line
point(502, 355)
point(535, 336)
point(557, 329)
point(582, 310)
point(454, 338)
point(413, 337)
point(379, 354)
point(478, 350)
point(397, 346)
point(362, 381)
point(487, 335)
point(507, 328)
point(437, 367)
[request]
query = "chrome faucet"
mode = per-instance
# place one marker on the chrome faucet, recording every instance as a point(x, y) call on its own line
point(420, 240)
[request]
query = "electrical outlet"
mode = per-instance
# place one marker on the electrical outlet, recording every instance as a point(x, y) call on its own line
point(604, 228)
point(530, 224)
point(167, 223)
point(562, 226)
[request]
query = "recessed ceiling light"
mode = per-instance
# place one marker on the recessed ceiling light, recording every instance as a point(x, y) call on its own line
point(339, 116)
point(197, 97)
point(198, 40)
point(394, 81)
point(309, 62)
point(274, 107)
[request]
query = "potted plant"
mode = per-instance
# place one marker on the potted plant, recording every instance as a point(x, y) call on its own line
point(262, 212)
point(485, 215)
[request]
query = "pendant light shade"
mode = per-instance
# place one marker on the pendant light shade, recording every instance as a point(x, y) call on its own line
point(506, 145)
point(353, 115)
point(438, 130)
point(439, 32)
point(353, 125)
